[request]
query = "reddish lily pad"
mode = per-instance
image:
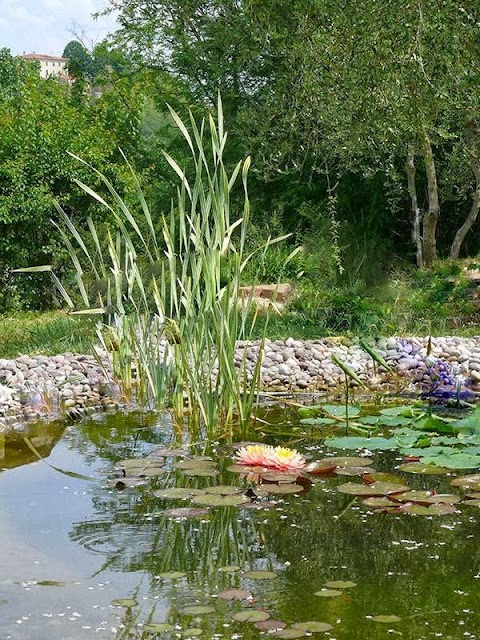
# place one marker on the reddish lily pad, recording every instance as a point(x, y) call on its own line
point(424, 469)
point(370, 490)
point(312, 626)
point(340, 584)
point(320, 467)
point(186, 512)
point(259, 504)
point(235, 594)
point(251, 615)
point(260, 575)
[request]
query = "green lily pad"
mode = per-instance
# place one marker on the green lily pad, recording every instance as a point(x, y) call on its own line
point(224, 490)
point(401, 410)
point(328, 593)
point(382, 476)
point(386, 619)
point(172, 575)
point(340, 584)
point(472, 503)
point(350, 461)
point(251, 615)
point(377, 502)
point(235, 594)
point(453, 460)
point(426, 497)
point(376, 443)
point(194, 464)
point(280, 489)
point(422, 468)
point(354, 471)
point(280, 477)
point(170, 453)
point(177, 493)
point(212, 500)
point(318, 422)
point(158, 627)
point(135, 463)
point(432, 510)
point(186, 512)
point(201, 472)
point(270, 625)
point(125, 602)
point(197, 610)
point(471, 482)
point(312, 626)
point(193, 632)
point(289, 633)
point(127, 483)
point(370, 490)
point(260, 575)
point(231, 568)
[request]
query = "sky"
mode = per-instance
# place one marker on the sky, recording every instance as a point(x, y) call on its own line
point(46, 26)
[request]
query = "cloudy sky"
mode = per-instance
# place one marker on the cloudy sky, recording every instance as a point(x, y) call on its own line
point(45, 26)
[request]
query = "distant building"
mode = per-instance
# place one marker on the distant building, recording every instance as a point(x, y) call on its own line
point(49, 65)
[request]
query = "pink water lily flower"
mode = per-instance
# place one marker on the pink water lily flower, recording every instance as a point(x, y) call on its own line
point(280, 458)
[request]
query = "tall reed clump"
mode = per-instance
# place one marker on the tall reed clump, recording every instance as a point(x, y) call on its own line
point(171, 319)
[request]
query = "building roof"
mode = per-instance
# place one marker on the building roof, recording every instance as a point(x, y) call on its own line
point(42, 56)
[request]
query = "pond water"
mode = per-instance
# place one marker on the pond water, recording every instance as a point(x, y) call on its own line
point(81, 559)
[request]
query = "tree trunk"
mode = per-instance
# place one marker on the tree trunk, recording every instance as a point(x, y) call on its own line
point(430, 219)
point(416, 216)
point(474, 209)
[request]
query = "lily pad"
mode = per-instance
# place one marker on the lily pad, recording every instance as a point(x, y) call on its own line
point(231, 568)
point(251, 615)
point(177, 493)
point(386, 619)
point(169, 453)
point(212, 500)
point(312, 626)
point(224, 490)
point(354, 471)
point(289, 633)
point(194, 464)
point(128, 603)
point(186, 512)
point(370, 490)
point(172, 575)
point(235, 594)
point(281, 489)
point(400, 410)
point(197, 610)
point(260, 575)
point(377, 502)
point(376, 443)
point(328, 593)
point(471, 482)
point(422, 468)
point(193, 632)
point(427, 497)
point(158, 627)
point(270, 625)
point(280, 477)
point(202, 472)
point(340, 584)
point(432, 510)
point(128, 483)
point(382, 476)
point(350, 461)
point(320, 467)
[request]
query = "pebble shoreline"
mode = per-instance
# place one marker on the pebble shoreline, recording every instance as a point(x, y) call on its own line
point(36, 387)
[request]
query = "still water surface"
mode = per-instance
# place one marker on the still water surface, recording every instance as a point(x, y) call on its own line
point(70, 547)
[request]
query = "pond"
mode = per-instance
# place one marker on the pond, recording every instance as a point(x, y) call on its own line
point(83, 557)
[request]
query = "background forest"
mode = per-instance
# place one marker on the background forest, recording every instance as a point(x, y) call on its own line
point(362, 120)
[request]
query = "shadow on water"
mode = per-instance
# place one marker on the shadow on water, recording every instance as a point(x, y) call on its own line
point(88, 560)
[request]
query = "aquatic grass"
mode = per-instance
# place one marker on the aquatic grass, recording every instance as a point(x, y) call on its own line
point(165, 311)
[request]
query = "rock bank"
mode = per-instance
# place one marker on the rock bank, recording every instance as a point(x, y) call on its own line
point(32, 387)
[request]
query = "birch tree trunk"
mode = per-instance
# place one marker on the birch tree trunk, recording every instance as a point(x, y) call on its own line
point(474, 209)
point(430, 219)
point(416, 216)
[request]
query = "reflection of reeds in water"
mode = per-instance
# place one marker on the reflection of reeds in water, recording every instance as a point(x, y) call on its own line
point(167, 288)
